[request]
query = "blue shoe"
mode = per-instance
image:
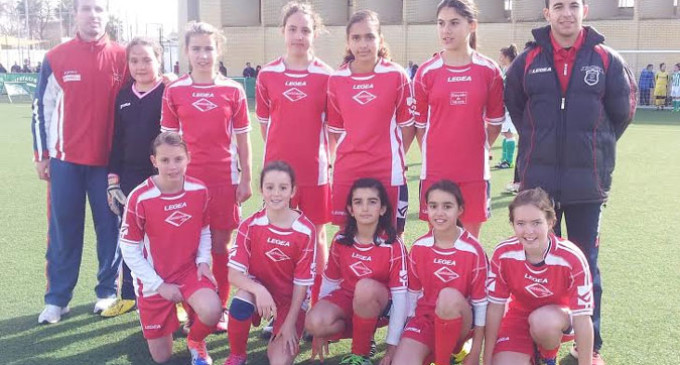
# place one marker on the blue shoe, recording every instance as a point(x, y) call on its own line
point(199, 353)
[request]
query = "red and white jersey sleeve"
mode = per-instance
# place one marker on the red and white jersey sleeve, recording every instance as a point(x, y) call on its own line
point(292, 104)
point(278, 258)
point(462, 267)
point(562, 279)
point(209, 116)
point(167, 227)
point(385, 263)
point(454, 105)
point(369, 111)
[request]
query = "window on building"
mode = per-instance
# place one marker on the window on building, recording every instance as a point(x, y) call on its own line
point(627, 3)
point(508, 4)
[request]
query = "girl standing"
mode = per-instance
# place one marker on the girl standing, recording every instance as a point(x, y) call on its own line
point(137, 122)
point(369, 117)
point(661, 87)
point(211, 112)
point(291, 108)
point(364, 280)
point(272, 265)
point(165, 240)
point(447, 276)
point(547, 281)
point(459, 112)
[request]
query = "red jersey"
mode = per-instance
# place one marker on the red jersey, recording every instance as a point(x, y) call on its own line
point(280, 257)
point(384, 263)
point(564, 279)
point(292, 104)
point(462, 267)
point(368, 110)
point(169, 228)
point(452, 105)
point(208, 116)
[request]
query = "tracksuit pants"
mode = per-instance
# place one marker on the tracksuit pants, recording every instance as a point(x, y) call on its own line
point(583, 229)
point(70, 184)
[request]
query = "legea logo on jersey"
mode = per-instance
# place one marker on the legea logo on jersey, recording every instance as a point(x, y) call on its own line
point(364, 97)
point(445, 274)
point(360, 269)
point(277, 255)
point(177, 218)
point(277, 241)
point(459, 79)
point(204, 105)
point(539, 291)
point(294, 94)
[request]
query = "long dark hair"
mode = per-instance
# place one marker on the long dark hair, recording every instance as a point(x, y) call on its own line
point(510, 51)
point(450, 187)
point(385, 222)
point(467, 9)
point(278, 166)
point(371, 17)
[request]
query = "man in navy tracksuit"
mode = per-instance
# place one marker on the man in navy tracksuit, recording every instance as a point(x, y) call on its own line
point(571, 98)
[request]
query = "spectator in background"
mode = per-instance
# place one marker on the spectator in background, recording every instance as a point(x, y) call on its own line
point(646, 84)
point(15, 68)
point(661, 87)
point(249, 71)
point(38, 67)
point(3, 70)
point(27, 67)
point(223, 69)
point(175, 68)
point(257, 70)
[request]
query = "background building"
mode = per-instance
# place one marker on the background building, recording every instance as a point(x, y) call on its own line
point(645, 31)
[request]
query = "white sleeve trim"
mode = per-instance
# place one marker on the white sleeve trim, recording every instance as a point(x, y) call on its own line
point(303, 282)
point(134, 258)
point(168, 129)
point(398, 314)
point(495, 121)
point(421, 125)
point(336, 130)
point(583, 312)
point(497, 300)
point(242, 130)
point(480, 313)
point(204, 247)
point(237, 266)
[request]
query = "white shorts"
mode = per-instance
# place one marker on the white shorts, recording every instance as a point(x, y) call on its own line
point(675, 92)
point(507, 125)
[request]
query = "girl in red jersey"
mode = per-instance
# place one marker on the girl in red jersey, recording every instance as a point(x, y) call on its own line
point(369, 117)
point(272, 265)
point(459, 112)
point(365, 278)
point(165, 240)
point(547, 281)
point(137, 122)
point(211, 112)
point(291, 107)
point(447, 274)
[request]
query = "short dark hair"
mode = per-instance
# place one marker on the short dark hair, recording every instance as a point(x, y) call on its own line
point(547, 3)
point(277, 166)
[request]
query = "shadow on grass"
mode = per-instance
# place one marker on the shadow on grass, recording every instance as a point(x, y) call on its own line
point(84, 338)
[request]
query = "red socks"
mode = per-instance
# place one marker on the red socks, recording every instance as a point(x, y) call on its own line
point(221, 273)
point(237, 331)
point(446, 334)
point(199, 330)
point(362, 334)
point(548, 354)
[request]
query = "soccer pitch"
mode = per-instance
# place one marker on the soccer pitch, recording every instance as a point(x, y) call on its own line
point(639, 258)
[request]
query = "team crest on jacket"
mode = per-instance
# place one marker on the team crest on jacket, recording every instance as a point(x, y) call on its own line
point(592, 76)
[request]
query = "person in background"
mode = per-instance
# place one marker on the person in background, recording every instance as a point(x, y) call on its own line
point(16, 69)
point(249, 71)
point(661, 87)
point(223, 69)
point(3, 70)
point(646, 84)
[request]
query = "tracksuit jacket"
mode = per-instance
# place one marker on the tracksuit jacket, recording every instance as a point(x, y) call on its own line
point(567, 142)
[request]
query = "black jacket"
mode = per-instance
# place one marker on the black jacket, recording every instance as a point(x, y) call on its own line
point(567, 143)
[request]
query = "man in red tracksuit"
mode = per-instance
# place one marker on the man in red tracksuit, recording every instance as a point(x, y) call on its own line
point(72, 133)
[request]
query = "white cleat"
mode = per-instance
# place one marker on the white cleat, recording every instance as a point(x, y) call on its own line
point(103, 304)
point(52, 314)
